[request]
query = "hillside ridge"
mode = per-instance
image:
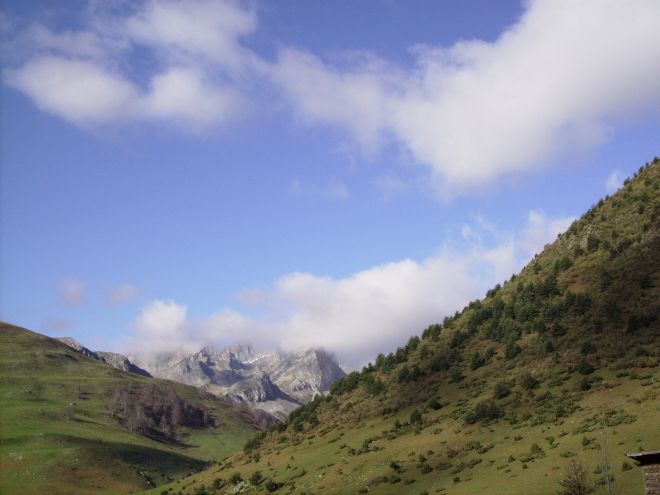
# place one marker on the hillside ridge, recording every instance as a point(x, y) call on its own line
point(551, 366)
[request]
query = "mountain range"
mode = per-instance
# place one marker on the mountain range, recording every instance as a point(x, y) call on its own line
point(240, 373)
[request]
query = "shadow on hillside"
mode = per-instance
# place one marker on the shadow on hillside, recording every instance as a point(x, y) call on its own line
point(102, 454)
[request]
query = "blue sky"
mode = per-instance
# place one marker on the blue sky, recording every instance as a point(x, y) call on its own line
point(303, 173)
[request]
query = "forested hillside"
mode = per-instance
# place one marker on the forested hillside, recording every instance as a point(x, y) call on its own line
point(557, 364)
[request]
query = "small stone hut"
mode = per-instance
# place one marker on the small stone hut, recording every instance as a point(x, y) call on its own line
point(650, 462)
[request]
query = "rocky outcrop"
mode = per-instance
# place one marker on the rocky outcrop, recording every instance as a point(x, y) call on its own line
point(254, 388)
point(306, 373)
point(267, 380)
point(118, 361)
point(121, 362)
point(77, 346)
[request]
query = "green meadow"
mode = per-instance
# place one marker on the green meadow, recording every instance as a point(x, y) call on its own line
point(43, 451)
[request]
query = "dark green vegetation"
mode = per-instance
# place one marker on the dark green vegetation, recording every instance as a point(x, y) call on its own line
point(559, 364)
point(70, 424)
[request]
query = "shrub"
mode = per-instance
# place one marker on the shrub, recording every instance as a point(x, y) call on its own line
point(576, 481)
point(256, 478)
point(501, 390)
point(584, 367)
point(235, 478)
point(528, 382)
point(434, 404)
point(512, 350)
point(548, 347)
point(415, 416)
point(272, 485)
point(484, 411)
point(477, 361)
point(536, 449)
point(455, 375)
point(584, 384)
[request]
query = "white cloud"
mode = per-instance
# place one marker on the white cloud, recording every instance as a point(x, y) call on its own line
point(560, 79)
point(79, 91)
point(56, 326)
point(554, 81)
point(71, 292)
point(187, 30)
point(390, 187)
point(88, 77)
point(334, 190)
point(162, 327)
point(122, 293)
point(614, 182)
point(357, 317)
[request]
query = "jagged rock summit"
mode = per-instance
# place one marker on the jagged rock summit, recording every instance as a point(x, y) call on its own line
point(118, 361)
point(267, 380)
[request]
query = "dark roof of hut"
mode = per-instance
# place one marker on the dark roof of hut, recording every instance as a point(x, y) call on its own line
point(644, 458)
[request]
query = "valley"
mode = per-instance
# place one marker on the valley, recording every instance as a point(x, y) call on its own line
point(560, 364)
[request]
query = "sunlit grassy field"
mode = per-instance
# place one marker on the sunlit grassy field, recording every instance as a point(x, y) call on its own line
point(498, 458)
point(42, 452)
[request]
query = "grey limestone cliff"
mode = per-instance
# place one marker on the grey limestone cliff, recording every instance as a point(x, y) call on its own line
point(267, 380)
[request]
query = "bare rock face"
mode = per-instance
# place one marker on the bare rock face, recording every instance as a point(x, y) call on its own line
point(77, 346)
point(306, 373)
point(265, 380)
point(118, 361)
point(121, 362)
point(254, 388)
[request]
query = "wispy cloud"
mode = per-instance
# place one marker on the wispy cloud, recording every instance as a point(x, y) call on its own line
point(357, 317)
point(56, 325)
point(614, 182)
point(71, 292)
point(122, 293)
point(334, 190)
point(391, 187)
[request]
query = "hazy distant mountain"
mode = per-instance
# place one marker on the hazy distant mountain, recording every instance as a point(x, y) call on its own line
point(119, 361)
point(271, 381)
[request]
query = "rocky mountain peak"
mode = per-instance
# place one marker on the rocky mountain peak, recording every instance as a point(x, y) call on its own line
point(268, 380)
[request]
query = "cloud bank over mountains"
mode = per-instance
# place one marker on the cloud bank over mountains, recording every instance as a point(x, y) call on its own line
point(357, 317)
point(562, 78)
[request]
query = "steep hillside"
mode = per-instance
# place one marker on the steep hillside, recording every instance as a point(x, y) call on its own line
point(559, 364)
point(72, 424)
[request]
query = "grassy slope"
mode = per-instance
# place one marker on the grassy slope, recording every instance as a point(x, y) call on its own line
point(40, 452)
point(611, 259)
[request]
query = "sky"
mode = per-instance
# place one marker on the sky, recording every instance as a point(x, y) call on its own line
point(303, 173)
